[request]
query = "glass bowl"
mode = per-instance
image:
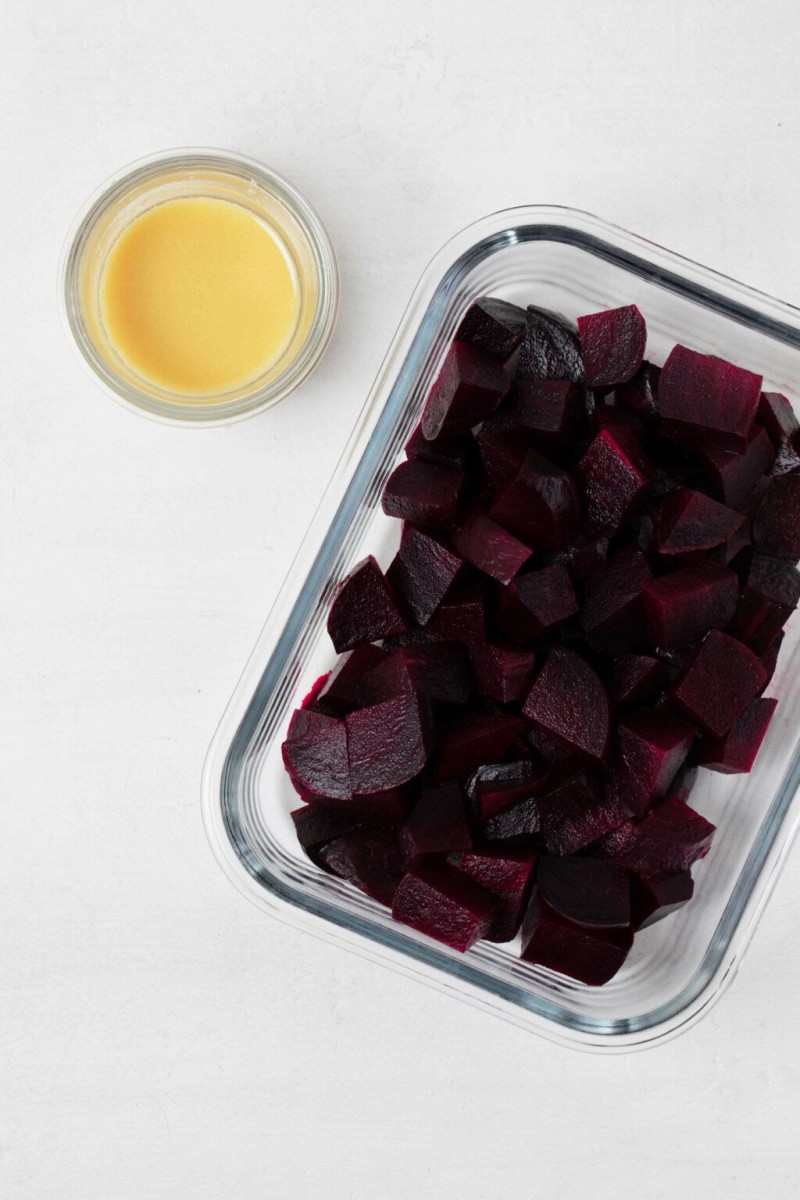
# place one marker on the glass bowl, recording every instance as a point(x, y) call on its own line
point(214, 174)
point(574, 263)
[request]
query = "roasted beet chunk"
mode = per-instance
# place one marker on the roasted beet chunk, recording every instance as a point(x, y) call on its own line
point(551, 408)
point(438, 824)
point(778, 418)
point(612, 345)
point(340, 692)
point(549, 348)
point(568, 701)
point(652, 899)
point(373, 860)
point(650, 749)
point(615, 472)
point(722, 679)
point(769, 595)
point(705, 398)
point(776, 527)
point(443, 903)
point(507, 874)
point(640, 394)
point(573, 815)
point(769, 659)
point(537, 601)
point(515, 826)
point(541, 505)
point(468, 389)
point(736, 752)
point(489, 547)
point(315, 755)
point(498, 786)
point(681, 607)
point(473, 740)
point(388, 743)
point(689, 521)
point(612, 613)
point(732, 477)
point(461, 617)
point(318, 824)
point(438, 669)
point(423, 492)
point(364, 609)
point(669, 839)
point(588, 891)
point(502, 454)
point(636, 678)
point(422, 571)
point(590, 955)
point(502, 674)
point(494, 326)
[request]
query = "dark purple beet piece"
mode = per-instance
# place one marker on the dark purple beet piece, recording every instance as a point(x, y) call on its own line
point(653, 899)
point(778, 418)
point(372, 860)
point(585, 556)
point(502, 674)
point(612, 345)
point(640, 394)
point(684, 605)
point(537, 601)
point(438, 823)
point(688, 520)
point(443, 903)
point(549, 348)
point(669, 839)
point(457, 453)
point(769, 595)
point(439, 669)
point(636, 678)
point(587, 891)
point(573, 816)
point(550, 408)
point(468, 389)
point(423, 492)
point(315, 755)
point(541, 505)
point(388, 743)
point(720, 682)
point(611, 417)
point(776, 526)
point(498, 786)
point(422, 571)
point(489, 547)
point(363, 609)
point(495, 326)
point(568, 701)
point(732, 477)
point(769, 659)
point(340, 693)
point(473, 740)
point(461, 616)
point(651, 747)
point(507, 874)
point(592, 956)
point(612, 613)
point(735, 753)
point(516, 825)
point(318, 824)
point(707, 400)
point(502, 454)
point(615, 472)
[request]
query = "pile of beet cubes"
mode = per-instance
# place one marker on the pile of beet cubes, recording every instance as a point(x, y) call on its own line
point(596, 564)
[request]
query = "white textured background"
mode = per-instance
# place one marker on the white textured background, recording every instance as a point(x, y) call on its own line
point(160, 1039)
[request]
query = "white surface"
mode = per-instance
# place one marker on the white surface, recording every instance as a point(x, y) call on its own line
point(159, 1038)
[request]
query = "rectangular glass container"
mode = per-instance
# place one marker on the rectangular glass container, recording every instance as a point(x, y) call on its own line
point(573, 263)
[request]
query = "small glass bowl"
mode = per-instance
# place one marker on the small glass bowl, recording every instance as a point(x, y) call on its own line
point(215, 174)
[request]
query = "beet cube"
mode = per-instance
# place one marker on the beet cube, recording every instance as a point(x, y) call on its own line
point(550, 408)
point(705, 399)
point(498, 786)
point(461, 616)
point(731, 477)
point(568, 701)
point(590, 955)
point(388, 743)
point(540, 505)
point(315, 755)
point(507, 874)
point(640, 394)
point(502, 454)
point(423, 492)
point(776, 526)
point(340, 692)
point(689, 520)
point(439, 670)
point(736, 752)
point(588, 891)
point(317, 825)
point(372, 860)
point(468, 389)
point(769, 595)
point(652, 899)
point(683, 606)
point(537, 601)
point(636, 678)
point(585, 556)
point(669, 839)
point(489, 547)
point(549, 348)
point(457, 453)
point(612, 613)
point(769, 659)
point(612, 345)
point(778, 418)
point(422, 571)
point(495, 326)
point(438, 823)
point(615, 472)
point(722, 679)
point(473, 740)
point(573, 816)
point(502, 674)
point(363, 609)
point(443, 903)
point(516, 825)
point(651, 747)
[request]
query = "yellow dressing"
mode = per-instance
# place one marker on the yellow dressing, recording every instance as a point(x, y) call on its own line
point(198, 296)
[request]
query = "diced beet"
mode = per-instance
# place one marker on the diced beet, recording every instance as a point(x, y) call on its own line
point(494, 787)
point(423, 492)
point(495, 326)
point(612, 345)
point(502, 674)
point(422, 571)
point(585, 556)
point(612, 613)
point(611, 417)
point(540, 505)
point(587, 891)
point(317, 825)
point(502, 454)
point(536, 601)
point(439, 669)
point(438, 823)
point(550, 408)
point(705, 399)
point(568, 701)
point(776, 526)
point(615, 472)
point(731, 477)
point(720, 682)
point(736, 752)
point(688, 520)
point(443, 903)
point(592, 956)
point(387, 743)
point(769, 659)
point(640, 394)
point(652, 899)
point(516, 825)
point(684, 605)
point(315, 755)
point(507, 874)
point(549, 348)
point(461, 616)
point(573, 816)
point(363, 609)
point(468, 389)
point(669, 839)
point(473, 740)
point(340, 692)
point(769, 595)
point(778, 418)
point(650, 749)
point(372, 860)
point(310, 700)
point(457, 453)
point(636, 678)
point(489, 547)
